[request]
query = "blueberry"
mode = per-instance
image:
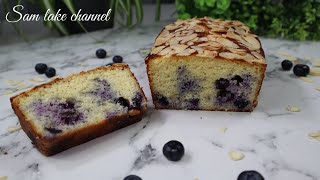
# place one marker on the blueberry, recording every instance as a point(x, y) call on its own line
point(241, 103)
point(41, 68)
point(101, 53)
point(301, 70)
point(53, 130)
point(163, 100)
point(173, 150)
point(222, 83)
point(238, 79)
point(225, 96)
point(50, 72)
point(286, 65)
point(132, 177)
point(136, 101)
point(117, 59)
point(250, 175)
point(123, 102)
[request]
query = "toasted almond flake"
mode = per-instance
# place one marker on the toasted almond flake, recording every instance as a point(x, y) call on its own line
point(156, 50)
point(306, 79)
point(161, 40)
point(188, 38)
point(315, 72)
point(14, 129)
point(186, 52)
point(315, 135)
point(232, 35)
point(171, 27)
point(208, 53)
point(212, 37)
point(235, 155)
point(227, 43)
point(24, 86)
point(179, 47)
point(293, 109)
point(3, 177)
point(257, 55)
point(199, 28)
point(173, 41)
point(37, 79)
point(223, 129)
point(318, 88)
point(254, 43)
point(5, 92)
point(165, 51)
point(190, 43)
point(237, 51)
point(228, 55)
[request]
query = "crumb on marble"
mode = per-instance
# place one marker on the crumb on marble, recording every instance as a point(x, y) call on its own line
point(3, 177)
point(37, 79)
point(14, 82)
point(83, 64)
point(315, 72)
point(235, 155)
point(315, 135)
point(287, 56)
point(23, 86)
point(223, 129)
point(14, 129)
point(306, 79)
point(293, 109)
point(318, 88)
point(5, 92)
point(317, 63)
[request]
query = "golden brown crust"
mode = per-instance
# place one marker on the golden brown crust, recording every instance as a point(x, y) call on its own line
point(53, 145)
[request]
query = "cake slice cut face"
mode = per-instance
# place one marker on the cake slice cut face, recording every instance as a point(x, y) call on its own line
point(70, 111)
point(206, 64)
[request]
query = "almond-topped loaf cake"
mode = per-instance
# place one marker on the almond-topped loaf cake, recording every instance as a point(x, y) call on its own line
point(67, 112)
point(206, 64)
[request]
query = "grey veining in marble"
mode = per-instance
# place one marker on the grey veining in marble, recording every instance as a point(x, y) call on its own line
point(274, 141)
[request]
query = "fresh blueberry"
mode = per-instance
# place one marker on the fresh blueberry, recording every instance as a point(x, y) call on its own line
point(173, 150)
point(250, 175)
point(225, 96)
point(117, 59)
point(132, 177)
point(301, 70)
point(53, 130)
point(41, 68)
point(163, 100)
point(101, 53)
point(123, 102)
point(222, 83)
point(136, 101)
point(241, 103)
point(50, 72)
point(238, 79)
point(286, 65)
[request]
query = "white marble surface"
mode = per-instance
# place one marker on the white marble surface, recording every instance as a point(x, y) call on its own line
point(274, 141)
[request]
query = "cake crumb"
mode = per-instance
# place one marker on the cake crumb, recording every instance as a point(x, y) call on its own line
point(315, 135)
point(318, 88)
point(14, 82)
point(14, 129)
point(3, 177)
point(223, 129)
point(37, 79)
point(287, 56)
point(5, 92)
point(23, 86)
point(236, 156)
point(316, 64)
point(315, 72)
point(305, 79)
point(83, 64)
point(293, 109)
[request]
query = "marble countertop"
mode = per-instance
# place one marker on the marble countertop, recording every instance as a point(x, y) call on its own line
point(274, 141)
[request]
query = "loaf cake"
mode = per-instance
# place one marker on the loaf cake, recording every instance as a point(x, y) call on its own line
point(206, 64)
point(67, 112)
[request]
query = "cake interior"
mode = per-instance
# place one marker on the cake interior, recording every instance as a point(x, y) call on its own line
point(82, 100)
point(199, 83)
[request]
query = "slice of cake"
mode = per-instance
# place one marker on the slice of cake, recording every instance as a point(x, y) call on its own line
point(67, 112)
point(206, 64)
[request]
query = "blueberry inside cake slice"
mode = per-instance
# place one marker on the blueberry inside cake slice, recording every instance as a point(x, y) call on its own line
point(206, 64)
point(70, 111)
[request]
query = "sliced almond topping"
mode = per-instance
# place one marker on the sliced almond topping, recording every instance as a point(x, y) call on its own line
point(212, 37)
point(160, 40)
point(237, 51)
point(188, 38)
point(199, 28)
point(254, 43)
point(173, 41)
point(232, 35)
point(240, 31)
point(171, 27)
point(211, 48)
point(228, 55)
point(165, 51)
point(179, 47)
point(181, 29)
point(257, 55)
point(208, 53)
point(156, 50)
point(203, 39)
point(186, 52)
point(14, 129)
point(227, 43)
point(164, 33)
